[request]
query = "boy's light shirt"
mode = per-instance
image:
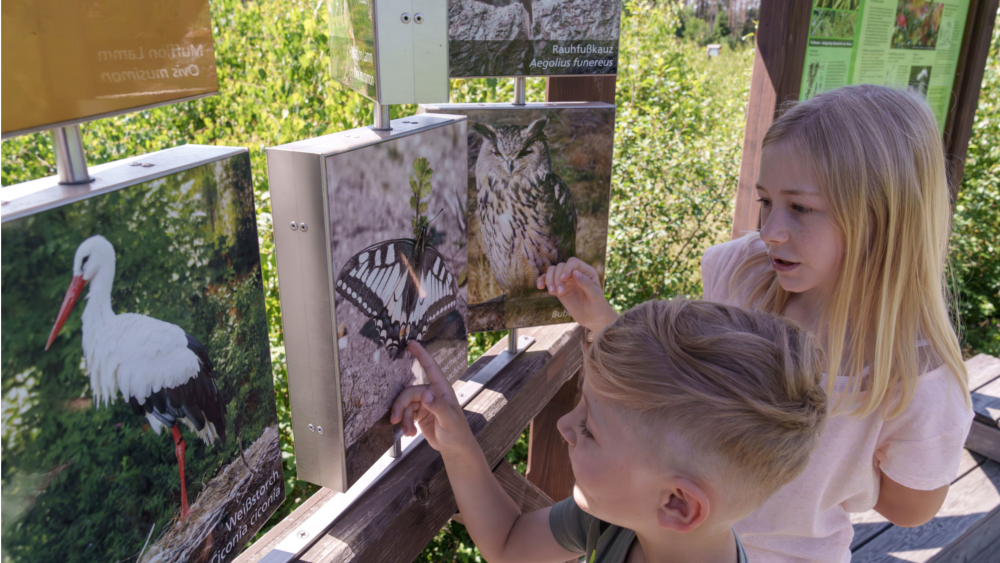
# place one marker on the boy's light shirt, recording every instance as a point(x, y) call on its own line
point(577, 531)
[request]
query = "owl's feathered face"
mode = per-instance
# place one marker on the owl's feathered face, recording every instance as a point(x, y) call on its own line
point(514, 150)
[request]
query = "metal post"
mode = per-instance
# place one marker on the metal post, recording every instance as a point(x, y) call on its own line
point(382, 117)
point(71, 161)
point(512, 341)
point(397, 448)
point(520, 84)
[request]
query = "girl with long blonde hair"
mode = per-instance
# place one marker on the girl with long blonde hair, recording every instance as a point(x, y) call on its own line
point(855, 221)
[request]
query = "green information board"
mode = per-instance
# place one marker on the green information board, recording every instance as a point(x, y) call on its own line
point(888, 42)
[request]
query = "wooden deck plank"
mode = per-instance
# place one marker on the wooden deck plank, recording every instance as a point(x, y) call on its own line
point(868, 525)
point(986, 403)
point(394, 521)
point(966, 523)
point(984, 439)
point(982, 369)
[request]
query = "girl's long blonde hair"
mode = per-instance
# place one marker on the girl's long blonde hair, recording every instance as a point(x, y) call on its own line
point(878, 157)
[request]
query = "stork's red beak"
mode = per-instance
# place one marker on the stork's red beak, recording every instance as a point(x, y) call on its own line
point(72, 294)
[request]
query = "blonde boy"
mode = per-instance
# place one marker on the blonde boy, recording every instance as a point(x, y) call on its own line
point(692, 414)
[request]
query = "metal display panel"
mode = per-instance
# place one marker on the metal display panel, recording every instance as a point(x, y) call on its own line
point(65, 63)
point(899, 43)
point(391, 51)
point(370, 238)
point(533, 37)
point(539, 185)
point(139, 418)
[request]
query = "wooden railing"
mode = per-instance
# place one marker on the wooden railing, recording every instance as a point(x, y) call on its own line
point(395, 519)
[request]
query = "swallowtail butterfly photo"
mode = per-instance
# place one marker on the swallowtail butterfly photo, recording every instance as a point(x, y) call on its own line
point(406, 289)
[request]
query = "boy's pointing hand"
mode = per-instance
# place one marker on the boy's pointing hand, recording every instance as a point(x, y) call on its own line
point(434, 407)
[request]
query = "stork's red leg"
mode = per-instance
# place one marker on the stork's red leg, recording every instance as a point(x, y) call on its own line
point(179, 450)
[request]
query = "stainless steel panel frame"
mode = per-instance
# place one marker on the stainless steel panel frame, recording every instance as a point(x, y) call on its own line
point(409, 49)
point(39, 195)
point(299, 208)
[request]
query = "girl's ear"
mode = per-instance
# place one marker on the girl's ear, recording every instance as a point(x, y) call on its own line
point(684, 506)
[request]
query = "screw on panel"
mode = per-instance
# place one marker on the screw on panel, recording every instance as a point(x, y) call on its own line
point(418, 18)
point(319, 429)
point(136, 164)
point(405, 18)
point(303, 227)
point(294, 226)
point(302, 534)
point(312, 428)
point(147, 164)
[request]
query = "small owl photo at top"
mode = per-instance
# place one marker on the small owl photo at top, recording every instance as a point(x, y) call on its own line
point(527, 215)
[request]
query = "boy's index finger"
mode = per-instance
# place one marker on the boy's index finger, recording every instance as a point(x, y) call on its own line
point(434, 374)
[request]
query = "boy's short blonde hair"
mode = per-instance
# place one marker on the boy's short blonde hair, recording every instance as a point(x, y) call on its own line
point(741, 389)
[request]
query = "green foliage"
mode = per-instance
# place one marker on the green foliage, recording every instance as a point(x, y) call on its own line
point(830, 23)
point(420, 185)
point(678, 134)
point(837, 4)
point(975, 241)
point(692, 27)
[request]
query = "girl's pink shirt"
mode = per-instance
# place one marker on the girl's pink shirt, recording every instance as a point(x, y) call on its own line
point(808, 519)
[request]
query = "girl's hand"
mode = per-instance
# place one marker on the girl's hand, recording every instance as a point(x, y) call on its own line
point(435, 408)
point(578, 288)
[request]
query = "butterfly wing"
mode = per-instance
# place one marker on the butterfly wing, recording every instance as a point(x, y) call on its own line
point(437, 296)
point(375, 278)
point(402, 298)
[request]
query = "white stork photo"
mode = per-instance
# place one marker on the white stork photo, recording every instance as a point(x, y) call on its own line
point(164, 373)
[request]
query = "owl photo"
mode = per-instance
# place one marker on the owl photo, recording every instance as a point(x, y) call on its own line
point(539, 188)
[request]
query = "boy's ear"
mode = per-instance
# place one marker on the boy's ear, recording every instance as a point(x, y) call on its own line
point(683, 507)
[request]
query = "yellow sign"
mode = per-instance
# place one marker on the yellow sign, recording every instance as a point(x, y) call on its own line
point(67, 61)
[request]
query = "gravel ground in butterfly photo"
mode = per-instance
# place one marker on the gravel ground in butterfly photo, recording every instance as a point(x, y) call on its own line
point(370, 203)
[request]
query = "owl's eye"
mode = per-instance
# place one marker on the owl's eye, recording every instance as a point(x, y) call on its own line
point(524, 153)
point(496, 153)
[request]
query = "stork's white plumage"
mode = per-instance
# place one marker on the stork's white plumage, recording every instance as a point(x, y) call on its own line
point(163, 372)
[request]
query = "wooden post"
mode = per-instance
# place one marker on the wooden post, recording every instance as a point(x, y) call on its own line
point(548, 460)
point(968, 82)
point(779, 53)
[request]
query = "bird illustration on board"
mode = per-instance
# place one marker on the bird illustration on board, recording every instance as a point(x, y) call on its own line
point(163, 372)
point(527, 216)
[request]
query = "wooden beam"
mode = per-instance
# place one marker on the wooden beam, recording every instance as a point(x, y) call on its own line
point(287, 526)
point(526, 495)
point(968, 81)
point(580, 89)
point(393, 521)
point(779, 55)
point(968, 522)
point(548, 458)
